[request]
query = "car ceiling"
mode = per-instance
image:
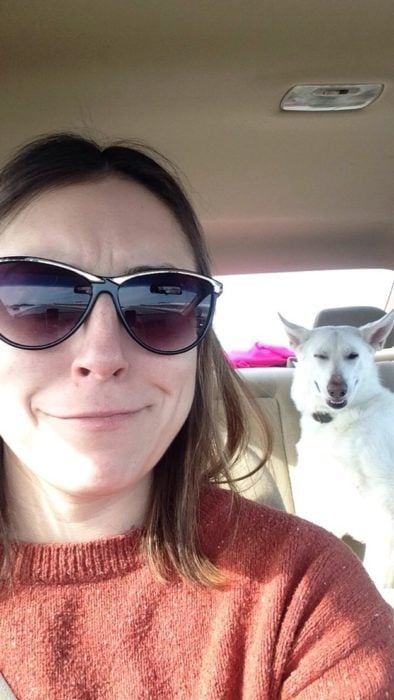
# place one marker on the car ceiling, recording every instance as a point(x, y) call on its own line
point(202, 82)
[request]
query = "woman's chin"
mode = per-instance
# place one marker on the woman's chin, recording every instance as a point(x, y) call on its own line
point(93, 478)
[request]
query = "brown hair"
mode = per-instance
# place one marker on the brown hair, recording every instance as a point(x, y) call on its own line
point(204, 451)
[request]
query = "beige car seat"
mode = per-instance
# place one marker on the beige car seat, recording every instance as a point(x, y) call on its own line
point(271, 484)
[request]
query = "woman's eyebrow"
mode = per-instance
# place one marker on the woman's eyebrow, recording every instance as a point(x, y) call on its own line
point(149, 268)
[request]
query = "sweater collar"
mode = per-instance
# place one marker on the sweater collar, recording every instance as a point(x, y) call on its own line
point(76, 562)
point(88, 562)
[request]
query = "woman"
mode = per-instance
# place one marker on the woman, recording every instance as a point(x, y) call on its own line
point(126, 572)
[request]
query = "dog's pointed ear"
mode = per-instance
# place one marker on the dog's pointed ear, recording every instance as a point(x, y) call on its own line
point(296, 334)
point(375, 333)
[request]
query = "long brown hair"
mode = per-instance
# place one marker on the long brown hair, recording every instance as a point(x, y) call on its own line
point(205, 448)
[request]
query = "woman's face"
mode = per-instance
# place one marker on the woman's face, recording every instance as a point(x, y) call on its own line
point(94, 414)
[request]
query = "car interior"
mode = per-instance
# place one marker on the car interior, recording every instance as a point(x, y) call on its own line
point(279, 186)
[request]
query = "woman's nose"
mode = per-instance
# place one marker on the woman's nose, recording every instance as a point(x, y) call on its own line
point(101, 343)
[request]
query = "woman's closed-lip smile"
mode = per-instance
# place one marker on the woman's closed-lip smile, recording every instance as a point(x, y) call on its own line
point(97, 420)
point(96, 414)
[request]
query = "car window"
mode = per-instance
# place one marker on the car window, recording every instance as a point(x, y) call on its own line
point(247, 311)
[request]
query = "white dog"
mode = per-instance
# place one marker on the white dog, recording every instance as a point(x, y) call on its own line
point(344, 479)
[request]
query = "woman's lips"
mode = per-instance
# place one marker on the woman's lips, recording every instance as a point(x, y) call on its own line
point(101, 420)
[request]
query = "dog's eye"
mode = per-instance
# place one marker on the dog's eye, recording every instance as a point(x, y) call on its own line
point(352, 356)
point(320, 356)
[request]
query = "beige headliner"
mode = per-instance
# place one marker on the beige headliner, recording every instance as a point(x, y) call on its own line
point(201, 80)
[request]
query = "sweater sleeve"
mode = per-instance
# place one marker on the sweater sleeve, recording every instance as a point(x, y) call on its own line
point(342, 641)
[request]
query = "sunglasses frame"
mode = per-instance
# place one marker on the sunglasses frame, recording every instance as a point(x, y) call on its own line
point(110, 285)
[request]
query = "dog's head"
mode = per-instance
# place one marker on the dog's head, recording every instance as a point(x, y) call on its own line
point(335, 364)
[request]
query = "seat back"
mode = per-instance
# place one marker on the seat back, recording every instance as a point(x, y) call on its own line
point(271, 485)
point(386, 374)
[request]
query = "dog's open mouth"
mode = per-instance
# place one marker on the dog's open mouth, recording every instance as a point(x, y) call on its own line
point(341, 403)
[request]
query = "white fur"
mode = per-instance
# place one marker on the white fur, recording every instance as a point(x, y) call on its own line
point(344, 479)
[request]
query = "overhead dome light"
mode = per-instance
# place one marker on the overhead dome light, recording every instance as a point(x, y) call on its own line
point(330, 98)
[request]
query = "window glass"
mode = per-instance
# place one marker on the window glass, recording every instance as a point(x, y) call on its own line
point(247, 311)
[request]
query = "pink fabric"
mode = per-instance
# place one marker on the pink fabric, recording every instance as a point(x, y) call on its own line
point(260, 355)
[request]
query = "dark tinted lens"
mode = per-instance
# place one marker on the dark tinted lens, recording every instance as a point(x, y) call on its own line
point(167, 312)
point(40, 304)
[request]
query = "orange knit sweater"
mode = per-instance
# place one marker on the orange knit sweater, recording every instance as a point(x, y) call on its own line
point(300, 620)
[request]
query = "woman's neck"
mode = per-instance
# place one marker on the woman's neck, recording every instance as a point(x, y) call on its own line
point(40, 513)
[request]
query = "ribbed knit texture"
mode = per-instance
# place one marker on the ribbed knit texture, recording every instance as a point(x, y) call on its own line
point(299, 618)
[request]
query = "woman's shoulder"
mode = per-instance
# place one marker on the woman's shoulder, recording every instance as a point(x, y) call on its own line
point(256, 539)
point(260, 548)
point(299, 577)
point(223, 510)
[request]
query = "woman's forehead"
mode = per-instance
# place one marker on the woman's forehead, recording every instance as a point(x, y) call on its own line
point(112, 222)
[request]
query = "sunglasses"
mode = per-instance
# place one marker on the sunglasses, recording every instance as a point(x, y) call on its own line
point(43, 302)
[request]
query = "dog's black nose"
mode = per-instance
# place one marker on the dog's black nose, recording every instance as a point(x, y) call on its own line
point(337, 388)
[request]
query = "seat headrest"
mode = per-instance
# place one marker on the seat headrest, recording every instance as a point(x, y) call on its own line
point(352, 316)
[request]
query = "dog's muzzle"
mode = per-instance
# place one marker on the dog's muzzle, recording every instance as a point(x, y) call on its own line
point(337, 390)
